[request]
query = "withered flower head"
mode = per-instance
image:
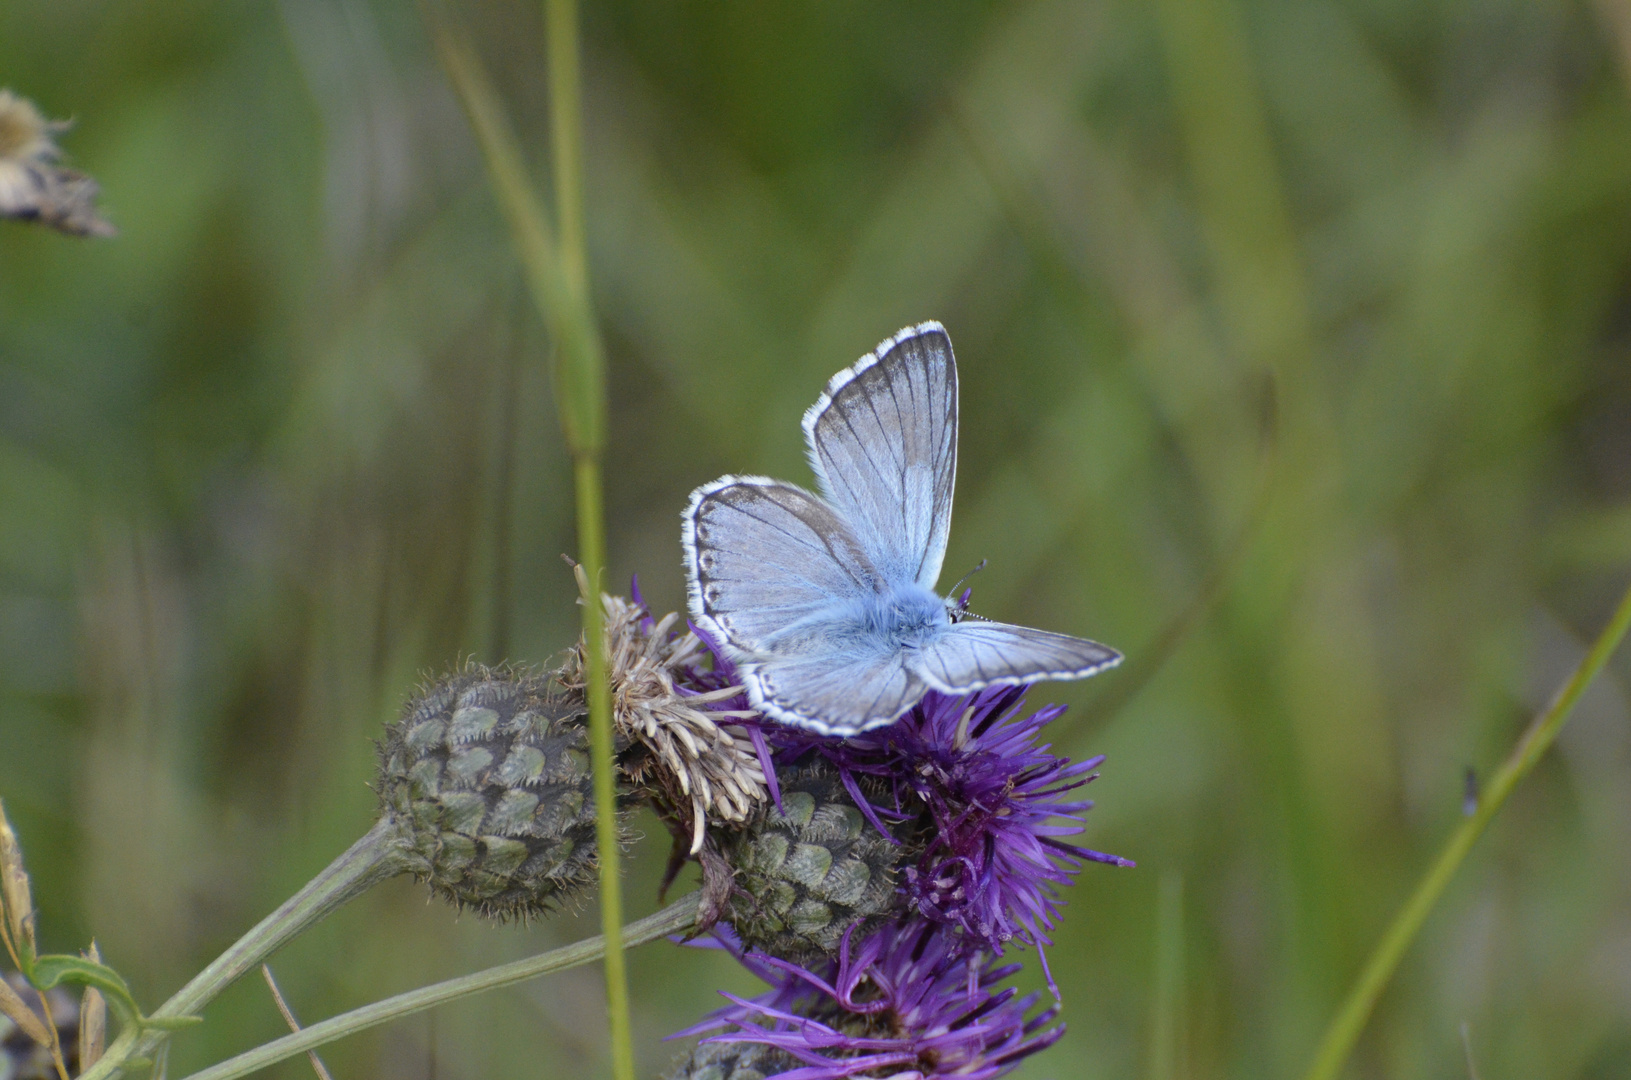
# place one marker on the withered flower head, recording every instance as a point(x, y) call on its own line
point(33, 187)
point(690, 757)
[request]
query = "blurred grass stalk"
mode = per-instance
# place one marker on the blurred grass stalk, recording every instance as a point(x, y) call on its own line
point(1260, 285)
point(1167, 1022)
point(1350, 1021)
point(1256, 273)
point(557, 273)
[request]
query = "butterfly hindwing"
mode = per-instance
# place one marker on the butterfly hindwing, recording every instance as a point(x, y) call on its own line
point(974, 654)
point(837, 694)
point(883, 443)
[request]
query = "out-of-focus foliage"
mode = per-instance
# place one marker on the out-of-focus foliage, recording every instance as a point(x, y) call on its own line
point(288, 441)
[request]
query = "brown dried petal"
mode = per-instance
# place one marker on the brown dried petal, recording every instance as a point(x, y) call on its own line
point(13, 1006)
point(15, 895)
point(93, 1020)
point(702, 767)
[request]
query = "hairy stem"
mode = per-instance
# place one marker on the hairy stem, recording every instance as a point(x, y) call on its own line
point(676, 917)
point(366, 863)
point(1340, 1037)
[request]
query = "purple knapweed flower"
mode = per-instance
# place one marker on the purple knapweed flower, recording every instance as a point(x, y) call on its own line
point(993, 801)
point(998, 804)
point(905, 1004)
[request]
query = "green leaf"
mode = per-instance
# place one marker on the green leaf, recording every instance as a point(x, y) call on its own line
point(58, 968)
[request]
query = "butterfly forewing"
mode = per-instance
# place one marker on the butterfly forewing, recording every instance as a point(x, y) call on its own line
point(883, 442)
point(763, 557)
point(976, 654)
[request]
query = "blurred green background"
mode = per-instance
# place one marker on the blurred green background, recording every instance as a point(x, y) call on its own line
point(1349, 278)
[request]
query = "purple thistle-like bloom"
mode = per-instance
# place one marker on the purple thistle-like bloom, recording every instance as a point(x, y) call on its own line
point(998, 804)
point(906, 1004)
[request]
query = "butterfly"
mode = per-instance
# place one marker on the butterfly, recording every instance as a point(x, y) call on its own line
point(825, 604)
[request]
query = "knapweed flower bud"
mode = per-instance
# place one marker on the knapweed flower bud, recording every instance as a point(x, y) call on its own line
point(486, 779)
point(994, 804)
point(732, 1061)
point(806, 874)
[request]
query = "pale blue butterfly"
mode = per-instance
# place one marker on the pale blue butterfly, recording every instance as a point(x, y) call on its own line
point(826, 604)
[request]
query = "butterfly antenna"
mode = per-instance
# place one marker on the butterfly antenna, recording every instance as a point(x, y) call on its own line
point(968, 575)
point(959, 606)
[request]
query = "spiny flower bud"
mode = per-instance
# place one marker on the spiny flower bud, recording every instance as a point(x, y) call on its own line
point(732, 1061)
point(486, 778)
point(806, 874)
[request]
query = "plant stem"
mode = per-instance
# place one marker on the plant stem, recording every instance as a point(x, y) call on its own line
point(591, 550)
point(366, 863)
point(559, 278)
point(566, 132)
point(1339, 1039)
point(676, 917)
point(1166, 1031)
point(517, 197)
point(581, 378)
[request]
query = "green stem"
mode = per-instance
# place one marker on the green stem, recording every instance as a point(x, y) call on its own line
point(581, 377)
point(366, 863)
point(675, 918)
point(1339, 1039)
point(1166, 1031)
point(591, 549)
point(581, 371)
point(566, 131)
point(559, 278)
point(517, 196)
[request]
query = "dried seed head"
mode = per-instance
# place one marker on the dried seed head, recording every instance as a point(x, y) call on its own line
point(486, 778)
point(24, 132)
point(33, 186)
point(690, 759)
